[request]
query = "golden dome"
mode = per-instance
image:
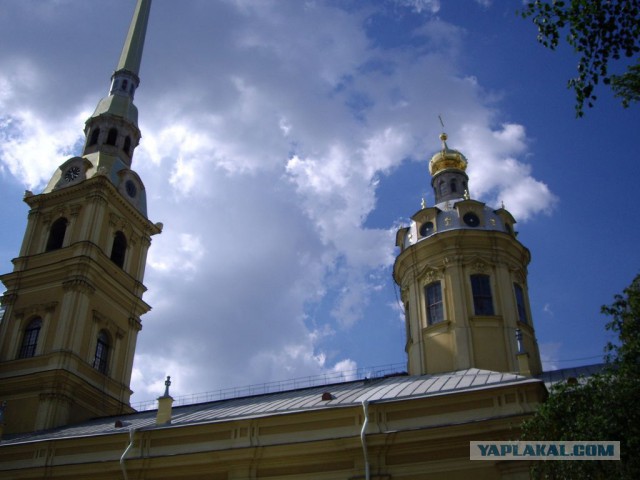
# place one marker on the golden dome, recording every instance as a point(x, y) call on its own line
point(446, 159)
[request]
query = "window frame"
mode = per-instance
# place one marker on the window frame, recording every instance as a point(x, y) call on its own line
point(119, 249)
point(482, 295)
point(30, 335)
point(434, 302)
point(112, 137)
point(101, 356)
point(521, 304)
point(57, 234)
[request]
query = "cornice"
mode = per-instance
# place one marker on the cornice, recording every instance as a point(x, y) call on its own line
point(90, 189)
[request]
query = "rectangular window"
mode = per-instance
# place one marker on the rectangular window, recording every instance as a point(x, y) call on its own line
point(482, 299)
point(30, 339)
point(522, 311)
point(101, 358)
point(407, 322)
point(433, 300)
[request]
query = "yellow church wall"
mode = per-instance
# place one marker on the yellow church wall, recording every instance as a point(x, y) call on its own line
point(462, 339)
point(438, 345)
point(78, 292)
point(405, 439)
point(489, 346)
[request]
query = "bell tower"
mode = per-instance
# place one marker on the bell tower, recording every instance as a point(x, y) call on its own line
point(463, 280)
point(74, 299)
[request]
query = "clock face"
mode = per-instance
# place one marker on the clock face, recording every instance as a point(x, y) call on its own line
point(71, 174)
point(471, 219)
point(131, 189)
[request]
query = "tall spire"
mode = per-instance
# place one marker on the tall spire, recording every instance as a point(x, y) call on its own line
point(116, 115)
point(79, 284)
point(133, 45)
point(111, 132)
point(125, 79)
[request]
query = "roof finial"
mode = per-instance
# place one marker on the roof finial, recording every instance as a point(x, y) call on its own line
point(167, 384)
point(443, 136)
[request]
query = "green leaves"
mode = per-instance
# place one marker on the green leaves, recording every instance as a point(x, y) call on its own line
point(600, 32)
point(601, 407)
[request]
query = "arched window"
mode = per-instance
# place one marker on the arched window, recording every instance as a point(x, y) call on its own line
point(112, 137)
point(101, 358)
point(125, 84)
point(30, 339)
point(482, 298)
point(94, 136)
point(453, 186)
point(441, 187)
point(118, 249)
point(56, 234)
point(127, 145)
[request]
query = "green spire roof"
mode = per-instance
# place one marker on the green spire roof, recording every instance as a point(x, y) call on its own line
point(132, 50)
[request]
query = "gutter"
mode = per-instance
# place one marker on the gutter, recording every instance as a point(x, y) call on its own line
point(363, 439)
point(132, 433)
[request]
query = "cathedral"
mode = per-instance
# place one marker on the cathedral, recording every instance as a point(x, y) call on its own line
point(72, 313)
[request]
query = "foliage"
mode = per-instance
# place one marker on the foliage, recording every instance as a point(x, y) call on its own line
point(624, 356)
point(600, 31)
point(602, 407)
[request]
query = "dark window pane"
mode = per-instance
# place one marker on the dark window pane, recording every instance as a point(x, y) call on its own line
point(112, 136)
point(30, 339)
point(94, 137)
point(102, 353)
point(56, 234)
point(433, 299)
point(118, 249)
point(522, 311)
point(482, 299)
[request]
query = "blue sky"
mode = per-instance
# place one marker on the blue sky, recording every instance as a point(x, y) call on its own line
point(284, 143)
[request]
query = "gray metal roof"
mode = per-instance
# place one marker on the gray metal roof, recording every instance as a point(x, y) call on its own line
point(343, 395)
point(552, 377)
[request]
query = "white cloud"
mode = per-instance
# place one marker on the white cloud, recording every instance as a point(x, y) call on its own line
point(262, 154)
point(32, 148)
point(496, 175)
point(432, 6)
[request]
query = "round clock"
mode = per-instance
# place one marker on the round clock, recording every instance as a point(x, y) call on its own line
point(471, 219)
point(72, 173)
point(131, 189)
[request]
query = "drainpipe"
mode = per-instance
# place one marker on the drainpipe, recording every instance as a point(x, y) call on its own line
point(132, 432)
point(365, 407)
